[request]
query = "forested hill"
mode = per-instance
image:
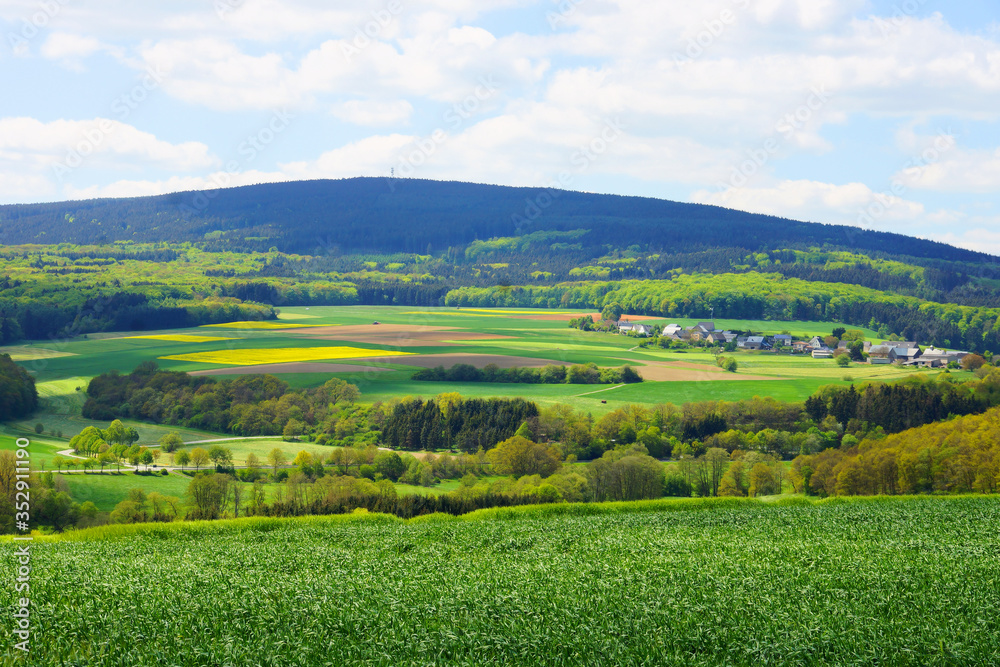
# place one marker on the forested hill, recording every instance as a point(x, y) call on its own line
point(406, 215)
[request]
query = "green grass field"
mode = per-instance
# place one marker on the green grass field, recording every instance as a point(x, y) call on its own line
point(62, 380)
point(907, 582)
point(108, 489)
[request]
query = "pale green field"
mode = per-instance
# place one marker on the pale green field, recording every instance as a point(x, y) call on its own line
point(261, 448)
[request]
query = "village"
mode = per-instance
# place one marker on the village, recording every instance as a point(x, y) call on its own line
point(905, 353)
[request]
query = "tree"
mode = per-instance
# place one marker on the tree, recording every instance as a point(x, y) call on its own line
point(58, 462)
point(612, 312)
point(209, 494)
point(237, 490)
point(293, 429)
point(199, 457)
point(39, 428)
point(127, 511)
point(762, 481)
point(171, 442)
point(843, 360)
point(626, 474)
point(221, 456)
point(276, 457)
point(303, 458)
point(972, 362)
point(718, 459)
point(105, 458)
point(519, 456)
point(630, 375)
point(182, 458)
point(146, 458)
point(389, 465)
point(116, 433)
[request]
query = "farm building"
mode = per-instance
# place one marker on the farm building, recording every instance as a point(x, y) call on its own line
point(879, 354)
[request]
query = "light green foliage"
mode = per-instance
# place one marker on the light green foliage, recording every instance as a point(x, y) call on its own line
point(668, 583)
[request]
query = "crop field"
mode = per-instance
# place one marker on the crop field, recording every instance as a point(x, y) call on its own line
point(280, 355)
point(884, 581)
point(180, 338)
point(381, 358)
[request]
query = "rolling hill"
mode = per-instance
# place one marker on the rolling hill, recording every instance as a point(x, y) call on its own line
point(378, 215)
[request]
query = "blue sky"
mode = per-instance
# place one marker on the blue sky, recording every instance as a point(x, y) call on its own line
point(881, 114)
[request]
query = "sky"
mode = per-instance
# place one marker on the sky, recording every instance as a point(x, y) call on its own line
point(881, 114)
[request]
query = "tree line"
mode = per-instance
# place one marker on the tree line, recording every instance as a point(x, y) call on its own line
point(957, 456)
point(18, 395)
point(550, 374)
point(755, 295)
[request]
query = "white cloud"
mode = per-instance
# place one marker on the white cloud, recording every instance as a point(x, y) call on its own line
point(141, 188)
point(373, 113)
point(850, 204)
point(980, 239)
point(67, 46)
point(945, 169)
point(100, 139)
point(37, 158)
point(373, 156)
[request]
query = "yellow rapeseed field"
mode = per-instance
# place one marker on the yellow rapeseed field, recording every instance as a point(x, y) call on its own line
point(258, 325)
point(281, 355)
point(178, 338)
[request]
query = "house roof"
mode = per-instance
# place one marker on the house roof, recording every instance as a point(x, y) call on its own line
point(880, 351)
point(755, 339)
point(706, 326)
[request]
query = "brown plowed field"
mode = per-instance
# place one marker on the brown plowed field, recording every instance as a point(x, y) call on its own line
point(396, 335)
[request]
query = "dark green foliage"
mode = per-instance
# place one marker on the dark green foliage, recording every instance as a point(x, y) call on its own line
point(551, 374)
point(677, 485)
point(18, 396)
point(407, 215)
point(471, 425)
point(903, 405)
point(248, 405)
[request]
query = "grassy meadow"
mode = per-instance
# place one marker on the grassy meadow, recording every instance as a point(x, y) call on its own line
point(901, 581)
point(451, 336)
point(343, 342)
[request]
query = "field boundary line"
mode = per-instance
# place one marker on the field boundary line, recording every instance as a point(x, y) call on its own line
point(591, 393)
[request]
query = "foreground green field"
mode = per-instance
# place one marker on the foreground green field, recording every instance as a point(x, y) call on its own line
point(900, 582)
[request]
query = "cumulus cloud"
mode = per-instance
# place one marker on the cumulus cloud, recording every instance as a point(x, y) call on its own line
point(695, 87)
point(373, 113)
point(850, 204)
point(37, 159)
